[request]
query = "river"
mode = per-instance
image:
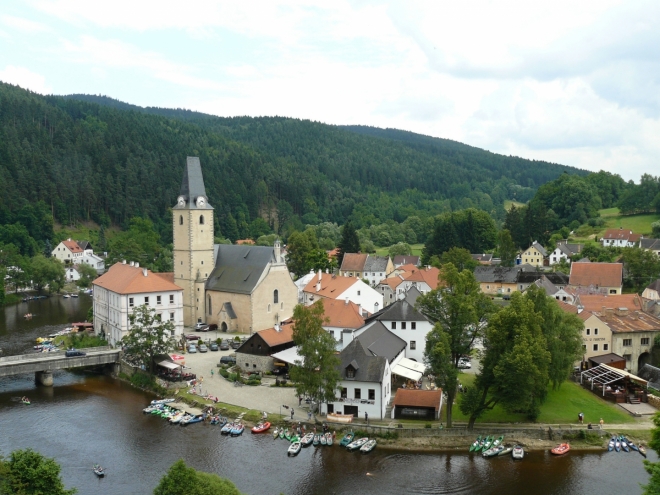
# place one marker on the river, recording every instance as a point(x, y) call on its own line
point(88, 418)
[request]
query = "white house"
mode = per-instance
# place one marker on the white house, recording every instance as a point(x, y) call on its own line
point(564, 251)
point(68, 252)
point(340, 317)
point(323, 285)
point(620, 238)
point(71, 274)
point(424, 279)
point(126, 286)
point(94, 261)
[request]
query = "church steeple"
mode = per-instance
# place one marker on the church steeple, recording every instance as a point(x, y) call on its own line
point(192, 186)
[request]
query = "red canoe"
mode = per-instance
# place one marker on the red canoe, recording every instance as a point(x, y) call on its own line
point(561, 449)
point(261, 427)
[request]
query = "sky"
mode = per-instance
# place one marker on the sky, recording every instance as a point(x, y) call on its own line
point(576, 83)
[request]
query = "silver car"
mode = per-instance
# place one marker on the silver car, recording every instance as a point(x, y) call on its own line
point(203, 348)
point(192, 349)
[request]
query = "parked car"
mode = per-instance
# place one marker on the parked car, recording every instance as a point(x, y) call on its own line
point(199, 325)
point(213, 346)
point(192, 349)
point(190, 336)
point(228, 360)
point(74, 353)
point(235, 344)
point(224, 345)
point(213, 327)
point(464, 363)
point(203, 348)
point(281, 370)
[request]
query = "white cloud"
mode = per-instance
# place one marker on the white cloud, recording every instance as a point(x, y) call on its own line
point(23, 25)
point(25, 78)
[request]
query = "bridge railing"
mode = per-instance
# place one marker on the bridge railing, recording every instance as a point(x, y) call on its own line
point(52, 355)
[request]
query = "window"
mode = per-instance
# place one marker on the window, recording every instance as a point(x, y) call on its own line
point(171, 316)
point(276, 296)
point(350, 373)
point(595, 331)
point(606, 347)
point(130, 302)
point(488, 287)
point(413, 345)
point(210, 307)
point(595, 347)
point(358, 393)
point(372, 394)
point(394, 325)
point(269, 308)
point(627, 342)
point(612, 291)
point(158, 300)
point(403, 325)
point(180, 219)
point(201, 219)
point(588, 331)
point(247, 365)
point(281, 305)
point(413, 325)
point(645, 341)
point(332, 333)
point(344, 393)
point(159, 317)
point(358, 293)
point(146, 300)
point(171, 298)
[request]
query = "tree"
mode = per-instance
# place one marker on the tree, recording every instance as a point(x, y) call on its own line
point(183, 480)
point(653, 468)
point(148, 336)
point(305, 255)
point(48, 249)
point(27, 472)
point(506, 248)
point(655, 229)
point(460, 258)
point(87, 275)
point(400, 248)
point(459, 311)
point(642, 267)
point(47, 272)
point(350, 242)
point(317, 375)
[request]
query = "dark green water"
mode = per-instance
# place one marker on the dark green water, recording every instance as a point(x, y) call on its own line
point(85, 419)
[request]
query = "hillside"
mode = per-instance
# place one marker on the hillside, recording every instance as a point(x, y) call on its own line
point(106, 160)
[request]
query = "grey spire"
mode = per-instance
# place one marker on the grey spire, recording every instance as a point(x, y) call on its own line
point(193, 183)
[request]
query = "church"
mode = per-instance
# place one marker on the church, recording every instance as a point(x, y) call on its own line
point(241, 289)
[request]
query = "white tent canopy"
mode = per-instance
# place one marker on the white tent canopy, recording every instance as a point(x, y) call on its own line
point(289, 355)
point(406, 372)
point(168, 364)
point(604, 375)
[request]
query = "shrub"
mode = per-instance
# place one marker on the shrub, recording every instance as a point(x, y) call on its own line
point(428, 425)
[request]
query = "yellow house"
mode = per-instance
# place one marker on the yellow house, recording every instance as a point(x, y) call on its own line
point(534, 255)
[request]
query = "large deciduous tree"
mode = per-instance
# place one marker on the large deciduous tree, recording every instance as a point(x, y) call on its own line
point(459, 311)
point(460, 258)
point(316, 375)
point(304, 254)
point(183, 480)
point(148, 336)
point(27, 472)
point(47, 272)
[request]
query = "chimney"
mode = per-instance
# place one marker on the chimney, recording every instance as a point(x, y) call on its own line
point(346, 301)
point(137, 265)
point(634, 315)
point(621, 311)
point(123, 262)
point(318, 286)
point(144, 272)
point(277, 327)
point(320, 274)
point(609, 312)
point(360, 309)
point(132, 263)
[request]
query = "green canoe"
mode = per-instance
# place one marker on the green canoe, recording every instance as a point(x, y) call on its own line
point(348, 438)
point(488, 443)
point(475, 444)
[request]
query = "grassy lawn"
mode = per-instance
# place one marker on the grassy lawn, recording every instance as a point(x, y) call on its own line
point(561, 406)
point(640, 224)
point(508, 204)
point(416, 250)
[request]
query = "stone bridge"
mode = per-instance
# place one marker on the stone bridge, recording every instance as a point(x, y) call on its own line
point(43, 364)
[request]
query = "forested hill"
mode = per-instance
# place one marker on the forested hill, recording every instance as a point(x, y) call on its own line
point(110, 161)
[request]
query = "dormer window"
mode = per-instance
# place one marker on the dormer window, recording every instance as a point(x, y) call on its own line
point(350, 372)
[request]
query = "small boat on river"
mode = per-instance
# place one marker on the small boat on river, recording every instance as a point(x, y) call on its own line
point(348, 438)
point(488, 443)
point(237, 429)
point(631, 444)
point(323, 440)
point(641, 449)
point(294, 449)
point(226, 430)
point(317, 440)
point(98, 471)
point(518, 452)
point(610, 445)
point(368, 446)
point(177, 417)
point(561, 449)
point(261, 427)
point(162, 401)
point(617, 444)
point(475, 445)
point(25, 401)
point(493, 451)
point(276, 433)
point(624, 444)
point(506, 450)
point(307, 440)
point(356, 444)
point(328, 439)
point(198, 418)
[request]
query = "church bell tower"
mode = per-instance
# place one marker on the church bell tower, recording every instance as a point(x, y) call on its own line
point(192, 225)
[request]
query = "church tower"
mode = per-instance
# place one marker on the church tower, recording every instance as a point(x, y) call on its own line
point(192, 225)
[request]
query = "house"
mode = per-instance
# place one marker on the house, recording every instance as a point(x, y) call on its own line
point(603, 278)
point(94, 261)
point(404, 321)
point(534, 255)
point(255, 354)
point(68, 252)
point(563, 294)
point(525, 279)
point(633, 330)
point(620, 238)
point(249, 289)
point(424, 279)
point(405, 259)
point(483, 259)
point(126, 286)
point(652, 245)
point(499, 280)
point(328, 286)
point(71, 273)
point(367, 267)
point(564, 251)
point(596, 334)
point(302, 282)
point(388, 288)
point(340, 316)
point(652, 291)
point(417, 404)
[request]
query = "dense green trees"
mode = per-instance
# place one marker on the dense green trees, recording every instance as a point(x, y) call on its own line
point(350, 242)
point(27, 472)
point(183, 480)
point(304, 254)
point(643, 197)
point(46, 272)
point(148, 336)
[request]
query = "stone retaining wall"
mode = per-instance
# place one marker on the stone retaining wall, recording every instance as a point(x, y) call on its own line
point(654, 401)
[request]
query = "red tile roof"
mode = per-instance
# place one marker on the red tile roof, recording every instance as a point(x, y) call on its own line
point(418, 398)
point(596, 274)
point(127, 279)
point(73, 246)
point(424, 274)
point(240, 242)
point(332, 286)
point(619, 234)
point(272, 337)
point(340, 313)
point(392, 282)
point(353, 262)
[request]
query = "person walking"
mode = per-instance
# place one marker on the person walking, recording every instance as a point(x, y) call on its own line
point(366, 417)
point(600, 423)
point(309, 415)
point(292, 413)
point(581, 418)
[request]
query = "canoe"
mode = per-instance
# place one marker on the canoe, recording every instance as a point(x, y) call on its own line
point(276, 433)
point(348, 438)
point(307, 440)
point(368, 446)
point(493, 451)
point(294, 449)
point(294, 438)
point(227, 429)
point(632, 445)
point(356, 444)
point(237, 430)
point(518, 452)
point(161, 401)
point(328, 439)
point(323, 440)
point(98, 471)
point(617, 444)
point(610, 445)
point(317, 440)
point(624, 444)
point(26, 402)
point(642, 450)
point(282, 433)
point(498, 442)
point(505, 450)
point(561, 449)
point(261, 427)
point(488, 443)
point(475, 444)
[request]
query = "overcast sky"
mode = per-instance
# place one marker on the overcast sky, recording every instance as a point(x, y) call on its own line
point(576, 83)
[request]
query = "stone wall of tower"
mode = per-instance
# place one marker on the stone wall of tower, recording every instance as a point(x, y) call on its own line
point(193, 258)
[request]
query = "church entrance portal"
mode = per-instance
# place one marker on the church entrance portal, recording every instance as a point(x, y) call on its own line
point(223, 327)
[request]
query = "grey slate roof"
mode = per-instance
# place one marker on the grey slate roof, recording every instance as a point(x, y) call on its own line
point(376, 263)
point(649, 243)
point(401, 310)
point(549, 288)
point(655, 285)
point(412, 295)
point(192, 185)
point(239, 268)
point(540, 248)
point(501, 274)
point(557, 278)
point(368, 368)
point(379, 341)
point(230, 310)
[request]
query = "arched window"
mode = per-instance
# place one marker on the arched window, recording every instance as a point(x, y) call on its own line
point(201, 219)
point(210, 311)
point(180, 219)
point(276, 296)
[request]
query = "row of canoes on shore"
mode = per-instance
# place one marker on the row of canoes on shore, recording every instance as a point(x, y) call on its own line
point(364, 444)
point(489, 446)
point(619, 443)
